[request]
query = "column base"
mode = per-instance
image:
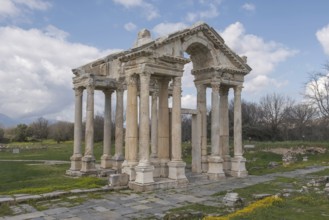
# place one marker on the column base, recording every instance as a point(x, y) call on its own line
point(76, 162)
point(129, 168)
point(238, 167)
point(164, 167)
point(117, 163)
point(88, 165)
point(106, 161)
point(204, 164)
point(156, 164)
point(227, 165)
point(144, 174)
point(177, 170)
point(215, 170)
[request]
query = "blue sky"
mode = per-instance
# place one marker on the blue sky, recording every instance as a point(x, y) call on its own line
point(42, 40)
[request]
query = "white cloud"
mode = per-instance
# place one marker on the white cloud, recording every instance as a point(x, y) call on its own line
point(35, 72)
point(323, 37)
point(189, 101)
point(150, 11)
point(13, 8)
point(263, 56)
point(249, 7)
point(167, 28)
point(130, 26)
point(210, 12)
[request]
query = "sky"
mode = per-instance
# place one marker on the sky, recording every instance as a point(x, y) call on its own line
point(42, 40)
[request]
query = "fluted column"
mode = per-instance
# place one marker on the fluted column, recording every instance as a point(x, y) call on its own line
point(224, 129)
point(176, 165)
point(154, 126)
point(144, 170)
point(237, 122)
point(106, 157)
point(215, 169)
point(238, 168)
point(163, 127)
point(215, 119)
point(88, 160)
point(77, 153)
point(118, 156)
point(131, 129)
point(202, 125)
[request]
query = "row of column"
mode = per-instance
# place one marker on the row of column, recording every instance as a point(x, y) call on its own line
point(86, 163)
point(141, 167)
point(220, 162)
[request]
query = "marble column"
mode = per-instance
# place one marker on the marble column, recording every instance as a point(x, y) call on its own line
point(224, 129)
point(144, 169)
point(154, 135)
point(196, 149)
point(238, 168)
point(118, 156)
point(215, 169)
point(202, 124)
point(163, 127)
point(77, 155)
point(106, 157)
point(88, 160)
point(176, 165)
point(130, 161)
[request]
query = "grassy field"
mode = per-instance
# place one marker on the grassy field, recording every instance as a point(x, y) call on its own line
point(36, 177)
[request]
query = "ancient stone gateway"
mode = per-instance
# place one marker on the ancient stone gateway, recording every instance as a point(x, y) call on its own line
point(153, 146)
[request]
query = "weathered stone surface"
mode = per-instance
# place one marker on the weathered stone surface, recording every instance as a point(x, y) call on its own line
point(232, 199)
point(155, 67)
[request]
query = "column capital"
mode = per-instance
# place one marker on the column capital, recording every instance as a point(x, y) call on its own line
point(108, 91)
point(238, 89)
point(145, 77)
point(90, 88)
point(131, 80)
point(223, 91)
point(200, 87)
point(215, 87)
point(78, 91)
point(177, 81)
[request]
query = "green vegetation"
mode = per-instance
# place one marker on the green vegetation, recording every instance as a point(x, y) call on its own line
point(24, 177)
point(5, 210)
point(47, 150)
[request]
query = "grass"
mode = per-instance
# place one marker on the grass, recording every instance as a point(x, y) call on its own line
point(22, 177)
point(46, 150)
point(5, 210)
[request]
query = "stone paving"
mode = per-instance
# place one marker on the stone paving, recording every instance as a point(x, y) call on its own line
point(127, 204)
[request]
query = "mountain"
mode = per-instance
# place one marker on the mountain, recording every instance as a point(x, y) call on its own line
point(7, 121)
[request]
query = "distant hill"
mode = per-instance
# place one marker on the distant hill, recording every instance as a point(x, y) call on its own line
point(7, 121)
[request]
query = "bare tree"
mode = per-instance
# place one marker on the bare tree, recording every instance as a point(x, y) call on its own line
point(61, 131)
point(317, 90)
point(274, 108)
point(39, 129)
point(300, 116)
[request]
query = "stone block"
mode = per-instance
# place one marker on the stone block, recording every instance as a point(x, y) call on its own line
point(119, 180)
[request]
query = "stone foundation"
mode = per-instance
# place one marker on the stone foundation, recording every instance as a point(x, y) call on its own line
point(238, 168)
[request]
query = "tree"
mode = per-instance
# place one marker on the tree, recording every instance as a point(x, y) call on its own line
point(317, 91)
point(39, 129)
point(300, 116)
point(2, 134)
point(274, 108)
point(61, 131)
point(186, 127)
point(99, 128)
point(21, 133)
